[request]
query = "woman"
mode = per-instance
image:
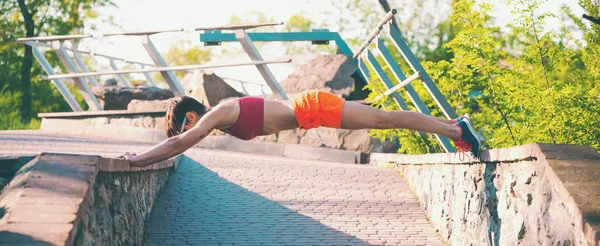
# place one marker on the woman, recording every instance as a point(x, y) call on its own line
point(188, 121)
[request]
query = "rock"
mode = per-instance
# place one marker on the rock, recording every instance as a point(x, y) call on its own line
point(383, 147)
point(217, 132)
point(159, 122)
point(330, 73)
point(121, 121)
point(331, 137)
point(145, 106)
point(312, 139)
point(358, 140)
point(266, 138)
point(100, 120)
point(110, 82)
point(301, 132)
point(288, 137)
point(148, 122)
point(208, 88)
point(116, 98)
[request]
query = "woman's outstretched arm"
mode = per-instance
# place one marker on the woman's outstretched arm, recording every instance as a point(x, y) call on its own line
point(180, 143)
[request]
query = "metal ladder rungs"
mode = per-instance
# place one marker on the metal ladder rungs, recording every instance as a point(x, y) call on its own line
point(399, 86)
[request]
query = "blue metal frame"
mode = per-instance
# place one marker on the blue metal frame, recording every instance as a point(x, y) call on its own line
point(412, 94)
point(386, 80)
point(316, 35)
point(216, 36)
point(322, 35)
point(414, 63)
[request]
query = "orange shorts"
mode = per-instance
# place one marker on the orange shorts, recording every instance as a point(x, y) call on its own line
point(318, 108)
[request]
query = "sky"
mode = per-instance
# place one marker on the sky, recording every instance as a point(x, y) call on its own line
point(138, 15)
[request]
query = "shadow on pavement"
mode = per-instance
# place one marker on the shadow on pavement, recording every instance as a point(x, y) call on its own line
point(199, 207)
point(12, 238)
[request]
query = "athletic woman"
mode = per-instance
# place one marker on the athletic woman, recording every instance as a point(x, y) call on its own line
point(188, 121)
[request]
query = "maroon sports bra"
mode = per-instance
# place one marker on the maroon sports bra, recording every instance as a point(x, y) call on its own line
point(250, 121)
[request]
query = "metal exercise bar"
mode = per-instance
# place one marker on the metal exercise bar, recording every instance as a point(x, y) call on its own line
point(364, 70)
point(249, 47)
point(145, 33)
point(239, 26)
point(122, 77)
point(149, 79)
point(81, 84)
point(399, 86)
point(386, 81)
point(168, 75)
point(375, 32)
point(412, 94)
point(141, 33)
point(316, 35)
point(162, 69)
point(64, 91)
point(32, 43)
point(83, 67)
point(416, 66)
point(54, 38)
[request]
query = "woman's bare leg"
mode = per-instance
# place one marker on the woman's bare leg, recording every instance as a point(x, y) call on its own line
point(446, 121)
point(358, 116)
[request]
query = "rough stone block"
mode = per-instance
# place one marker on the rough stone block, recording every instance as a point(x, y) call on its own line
point(114, 97)
point(288, 137)
point(330, 73)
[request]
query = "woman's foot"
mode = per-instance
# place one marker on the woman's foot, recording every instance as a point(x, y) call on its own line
point(468, 140)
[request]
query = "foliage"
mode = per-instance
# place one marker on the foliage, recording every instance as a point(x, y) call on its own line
point(19, 72)
point(9, 110)
point(535, 86)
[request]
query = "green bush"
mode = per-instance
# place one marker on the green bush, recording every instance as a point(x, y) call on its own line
point(536, 86)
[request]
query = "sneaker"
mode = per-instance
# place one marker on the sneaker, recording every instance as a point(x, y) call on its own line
point(469, 140)
point(465, 117)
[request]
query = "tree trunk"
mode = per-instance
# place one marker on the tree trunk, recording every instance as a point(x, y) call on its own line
point(386, 7)
point(27, 63)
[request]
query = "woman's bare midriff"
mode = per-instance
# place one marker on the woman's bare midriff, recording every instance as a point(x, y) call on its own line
point(278, 116)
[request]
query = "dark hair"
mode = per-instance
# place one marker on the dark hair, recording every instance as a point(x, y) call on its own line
point(176, 112)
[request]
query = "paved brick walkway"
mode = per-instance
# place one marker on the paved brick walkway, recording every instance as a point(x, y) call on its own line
point(223, 198)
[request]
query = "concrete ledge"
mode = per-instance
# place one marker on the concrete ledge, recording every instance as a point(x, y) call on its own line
point(294, 151)
point(547, 187)
point(512, 154)
point(85, 114)
point(124, 133)
point(149, 135)
point(51, 196)
point(120, 165)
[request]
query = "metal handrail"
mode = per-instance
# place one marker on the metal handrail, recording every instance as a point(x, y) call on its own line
point(30, 43)
point(162, 69)
point(375, 32)
point(145, 33)
point(239, 26)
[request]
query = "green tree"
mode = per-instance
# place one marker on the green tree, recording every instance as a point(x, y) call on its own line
point(20, 18)
point(536, 86)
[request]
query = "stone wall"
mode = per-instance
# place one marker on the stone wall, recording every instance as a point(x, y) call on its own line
point(118, 207)
point(62, 199)
point(157, 122)
point(512, 198)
